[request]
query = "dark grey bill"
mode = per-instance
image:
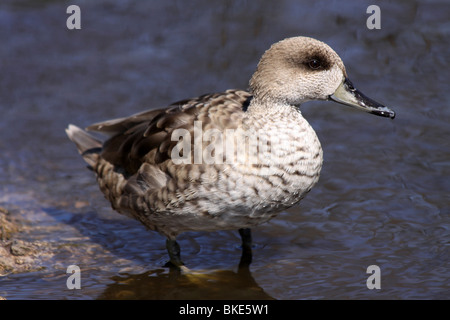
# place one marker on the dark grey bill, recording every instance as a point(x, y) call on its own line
point(347, 94)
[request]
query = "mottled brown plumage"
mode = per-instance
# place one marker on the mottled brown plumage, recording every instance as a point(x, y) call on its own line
point(257, 156)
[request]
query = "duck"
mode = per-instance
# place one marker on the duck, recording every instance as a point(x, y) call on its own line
point(230, 160)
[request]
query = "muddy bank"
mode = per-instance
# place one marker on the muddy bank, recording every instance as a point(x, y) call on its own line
point(17, 255)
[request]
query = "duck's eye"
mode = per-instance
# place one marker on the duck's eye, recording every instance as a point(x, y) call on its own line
point(314, 64)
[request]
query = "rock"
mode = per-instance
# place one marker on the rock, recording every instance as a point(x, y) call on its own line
point(20, 248)
point(7, 225)
point(15, 255)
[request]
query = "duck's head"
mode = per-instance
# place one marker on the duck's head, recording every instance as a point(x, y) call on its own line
point(300, 69)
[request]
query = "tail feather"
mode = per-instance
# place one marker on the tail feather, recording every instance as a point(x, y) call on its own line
point(87, 145)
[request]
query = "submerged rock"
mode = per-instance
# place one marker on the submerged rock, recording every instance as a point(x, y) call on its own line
point(7, 227)
point(16, 255)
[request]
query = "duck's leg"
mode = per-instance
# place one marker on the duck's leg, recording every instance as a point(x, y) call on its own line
point(173, 248)
point(246, 236)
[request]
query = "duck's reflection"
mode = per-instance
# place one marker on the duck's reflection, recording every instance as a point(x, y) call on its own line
point(172, 284)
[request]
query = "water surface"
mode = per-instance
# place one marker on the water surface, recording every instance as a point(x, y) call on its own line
point(382, 199)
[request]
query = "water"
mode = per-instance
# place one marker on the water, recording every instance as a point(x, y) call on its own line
point(383, 197)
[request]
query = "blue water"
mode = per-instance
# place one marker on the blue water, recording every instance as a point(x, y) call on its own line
point(384, 193)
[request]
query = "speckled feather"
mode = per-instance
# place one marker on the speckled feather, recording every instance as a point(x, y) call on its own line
point(137, 174)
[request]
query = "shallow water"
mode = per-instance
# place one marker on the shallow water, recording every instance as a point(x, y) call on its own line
point(382, 199)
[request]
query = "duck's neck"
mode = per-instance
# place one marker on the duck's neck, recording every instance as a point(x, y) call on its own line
point(284, 127)
point(287, 147)
point(267, 108)
point(273, 113)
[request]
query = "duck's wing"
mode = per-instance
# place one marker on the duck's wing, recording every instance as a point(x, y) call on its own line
point(147, 137)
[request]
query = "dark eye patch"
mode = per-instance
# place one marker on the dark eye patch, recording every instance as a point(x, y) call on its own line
point(317, 61)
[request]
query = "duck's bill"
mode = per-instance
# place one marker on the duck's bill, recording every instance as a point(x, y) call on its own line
point(348, 95)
